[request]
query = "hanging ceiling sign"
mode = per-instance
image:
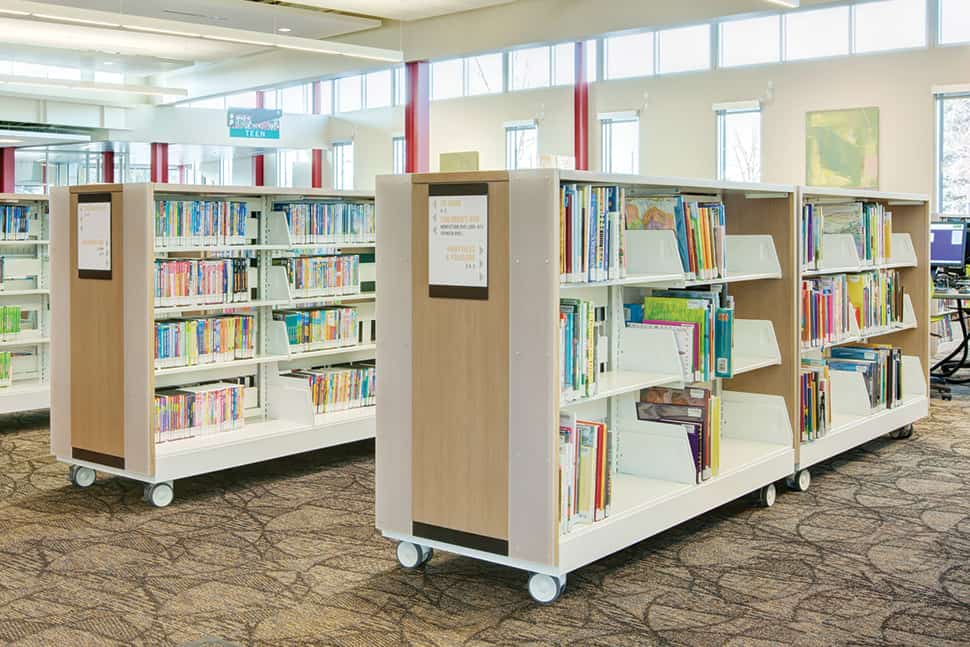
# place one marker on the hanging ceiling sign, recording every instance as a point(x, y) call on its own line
point(254, 123)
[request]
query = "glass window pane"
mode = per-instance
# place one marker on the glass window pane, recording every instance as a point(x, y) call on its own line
point(811, 34)
point(241, 100)
point(326, 97)
point(399, 151)
point(446, 81)
point(343, 166)
point(400, 87)
point(564, 64)
point(954, 21)
point(751, 41)
point(349, 93)
point(685, 49)
point(954, 161)
point(530, 68)
point(591, 56)
point(271, 99)
point(630, 55)
point(621, 146)
point(295, 99)
point(29, 69)
point(891, 24)
point(521, 147)
point(484, 74)
point(741, 141)
point(378, 89)
point(108, 77)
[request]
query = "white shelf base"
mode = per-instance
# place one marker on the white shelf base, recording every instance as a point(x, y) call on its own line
point(613, 383)
point(851, 431)
point(219, 366)
point(25, 340)
point(24, 397)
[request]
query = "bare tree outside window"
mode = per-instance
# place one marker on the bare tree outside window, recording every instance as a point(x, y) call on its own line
point(954, 152)
point(739, 145)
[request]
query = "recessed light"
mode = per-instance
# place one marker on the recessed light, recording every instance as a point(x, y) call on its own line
point(11, 141)
point(109, 62)
point(284, 30)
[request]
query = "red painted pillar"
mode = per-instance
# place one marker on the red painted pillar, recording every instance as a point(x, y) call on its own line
point(259, 170)
point(581, 110)
point(316, 164)
point(8, 170)
point(260, 99)
point(417, 113)
point(108, 167)
point(181, 173)
point(160, 163)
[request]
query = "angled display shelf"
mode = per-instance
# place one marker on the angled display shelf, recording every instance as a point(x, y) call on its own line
point(106, 417)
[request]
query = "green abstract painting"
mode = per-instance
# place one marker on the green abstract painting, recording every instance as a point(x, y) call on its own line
point(842, 148)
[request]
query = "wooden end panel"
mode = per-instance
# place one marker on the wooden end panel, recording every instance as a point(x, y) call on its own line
point(460, 398)
point(773, 299)
point(97, 348)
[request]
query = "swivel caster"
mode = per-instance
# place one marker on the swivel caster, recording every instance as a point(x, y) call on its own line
point(800, 481)
point(546, 589)
point(80, 476)
point(412, 555)
point(902, 432)
point(767, 496)
point(159, 494)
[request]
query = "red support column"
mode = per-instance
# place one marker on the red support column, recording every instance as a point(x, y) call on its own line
point(181, 173)
point(581, 110)
point(259, 170)
point(417, 113)
point(108, 167)
point(316, 164)
point(160, 163)
point(8, 170)
point(260, 99)
point(317, 97)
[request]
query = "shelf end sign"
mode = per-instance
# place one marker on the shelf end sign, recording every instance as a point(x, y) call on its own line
point(458, 241)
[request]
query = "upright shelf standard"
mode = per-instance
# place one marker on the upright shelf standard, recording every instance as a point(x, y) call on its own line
point(468, 443)
point(24, 303)
point(232, 326)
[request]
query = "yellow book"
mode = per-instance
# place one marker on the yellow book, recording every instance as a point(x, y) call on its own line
point(856, 285)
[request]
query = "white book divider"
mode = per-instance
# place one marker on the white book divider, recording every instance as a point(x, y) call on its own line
point(849, 394)
point(278, 340)
point(651, 354)
point(652, 450)
point(914, 379)
point(755, 417)
point(855, 332)
point(289, 399)
point(909, 313)
point(277, 232)
point(752, 255)
point(903, 254)
point(652, 253)
point(278, 284)
point(755, 345)
point(839, 252)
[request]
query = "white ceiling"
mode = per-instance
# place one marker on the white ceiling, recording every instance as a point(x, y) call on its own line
point(400, 9)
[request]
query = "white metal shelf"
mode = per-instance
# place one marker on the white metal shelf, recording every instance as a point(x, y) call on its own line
point(219, 366)
point(25, 341)
point(21, 243)
point(23, 293)
point(25, 397)
point(175, 311)
point(614, 383)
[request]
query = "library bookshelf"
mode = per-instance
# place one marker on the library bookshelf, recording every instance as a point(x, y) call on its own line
point(106, 376)
point(25, 284)
point(854, 420)
point(468, 419)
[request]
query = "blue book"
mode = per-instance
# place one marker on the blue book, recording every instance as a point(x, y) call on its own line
point(724, 343)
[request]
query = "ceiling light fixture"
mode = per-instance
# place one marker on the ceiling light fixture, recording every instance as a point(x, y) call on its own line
point(13, 12)
point(284, 30)
point(83, 21)
point(335, 52)
point(168, 32)
point(227, 39)
point(791, 4)
point(11, 141)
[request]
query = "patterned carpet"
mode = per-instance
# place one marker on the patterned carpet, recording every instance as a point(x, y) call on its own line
point(877, 552)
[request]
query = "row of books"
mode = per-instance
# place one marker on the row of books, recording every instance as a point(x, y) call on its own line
point(700, 229)
point(201, 410)
point(341, 387)
point(315, 276)
point(582, 347)
point(195, 223)
point(702, 323)
point(585, 471)
point(14, 222)
point(831, 304)
point(698, 412)
point(6, 369)
point(206, 340)
point(869, 224)
point(591, 233)
point(329, 222)
point(320, 328)
point(187, 282)
point(881, 368)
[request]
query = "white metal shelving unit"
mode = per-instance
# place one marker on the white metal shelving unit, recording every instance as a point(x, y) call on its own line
point(27, 284)
point(280, 415)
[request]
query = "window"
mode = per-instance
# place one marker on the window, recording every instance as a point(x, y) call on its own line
point(813, 34)
point(627, 56)
point(343, 166)
point(446, 79)
point(620, 144)
point(485, 73)
point(349, 93)
point(750, 41)
point(377, 89)
point(29, 69)
point(400, 155)
point(290, 165)
point(521, 146)
point(326, 97)
point(684, 49)
point(295, 99)
point(739, 145)
point(400, 87)
point(530, 68)
point(889, 24)
point(564, 63)
point(954, 21)
point(953, 165)
point(109, 77)
point(271, 99)
point(241, 100)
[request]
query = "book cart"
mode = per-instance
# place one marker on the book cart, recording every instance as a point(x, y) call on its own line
point(854, 420)
point(105, 376)
point(468, 420)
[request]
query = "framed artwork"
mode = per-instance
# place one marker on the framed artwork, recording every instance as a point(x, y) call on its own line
point(842, 148)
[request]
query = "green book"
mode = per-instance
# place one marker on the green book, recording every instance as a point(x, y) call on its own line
point(684, 310)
